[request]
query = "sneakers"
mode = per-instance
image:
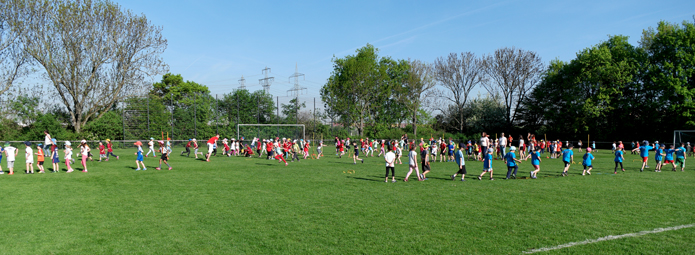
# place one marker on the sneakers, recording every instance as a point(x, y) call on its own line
point(42, 172)
point(285, 163)
point(363, 161)
point(513, 176)
point(480, 178)
point(394, 181)
point(492, 179)
point(70, 171)
point(157, 168)
point(453, 177)
point(169, 168)
point(137, 169)
point(531, 174)
point(144, 169)
point(616, 172)
point(463, 180)
point(117, 157)
point(84, 171)
point(2, 172)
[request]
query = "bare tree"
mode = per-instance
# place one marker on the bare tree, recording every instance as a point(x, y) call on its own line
point(459, 75)
point(513, 73)
point(416, 87)
point(13, 59)
point(93, 52)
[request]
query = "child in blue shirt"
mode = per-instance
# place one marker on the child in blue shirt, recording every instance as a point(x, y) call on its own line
point(535, 161)
point(139, 159)
point(487, 165)
point(510, 159)
point(619, 160)
point(567, 157)
point(644, 153)
point(668, 158)
point(659, 157)
point(680, 157)
point(586, 162)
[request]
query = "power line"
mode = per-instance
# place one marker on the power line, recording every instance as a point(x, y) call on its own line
point(242, 83)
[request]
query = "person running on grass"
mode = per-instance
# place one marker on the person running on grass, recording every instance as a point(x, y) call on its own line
point(319, 149)
point(399, 153)
point(356, 155)
point(510, 159)
point(165, 156)
point(212, 142)
point(567, 159)
point(68, 156)
point(390, 159)
point(84, 151)
point(619, 158)
point(150, 145)
point(412, 164)
point(460, 162)
point(586, 161)
point(425, 165)
point(102, 151)
point(535, 161)
point(109, 150)
point(668, 156)
point(140, 158)
point(658, 157)
point(487, 165)
point(278, 153)
point(680, 157)
point(644, 153)
point(55, 158)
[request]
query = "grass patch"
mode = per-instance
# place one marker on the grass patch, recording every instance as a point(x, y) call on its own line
point(241, 205)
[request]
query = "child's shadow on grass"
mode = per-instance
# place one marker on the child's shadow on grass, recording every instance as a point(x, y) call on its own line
point(364, 179)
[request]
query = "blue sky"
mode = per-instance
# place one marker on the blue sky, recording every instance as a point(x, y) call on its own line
point(216, 42)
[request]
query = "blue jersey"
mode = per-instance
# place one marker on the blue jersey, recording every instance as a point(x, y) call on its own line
point(680, 153)
point(669, 154)
point(567, 154)
point(619, 156)
point(487, 161)
point(644, 150)
point(459, 158)
point(451, 149)
point(510, 159)
point(658, 156)
point(587, 159)
point(536, 158)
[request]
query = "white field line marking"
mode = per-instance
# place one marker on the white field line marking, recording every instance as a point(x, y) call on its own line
point(607, 238)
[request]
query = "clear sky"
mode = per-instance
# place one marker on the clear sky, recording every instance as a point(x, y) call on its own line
point(216, 42)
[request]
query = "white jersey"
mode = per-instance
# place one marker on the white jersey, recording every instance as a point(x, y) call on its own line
point(484, 141)
point(521, 143)
point(10, 152)
point(390, 157)
point(503, 142)
point(29, 155)
point(150, 144)
point(68, 153)
point(412, 158)
point(85, 150)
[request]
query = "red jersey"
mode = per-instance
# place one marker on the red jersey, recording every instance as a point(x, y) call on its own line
point(109, 146)
point(213, 140)
point(269, 146)
point(102, 149)
point(188, 144)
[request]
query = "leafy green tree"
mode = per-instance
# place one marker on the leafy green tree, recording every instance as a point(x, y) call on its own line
point(291, 109)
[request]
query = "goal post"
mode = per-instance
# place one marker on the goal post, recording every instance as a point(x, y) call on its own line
point(274, 130)
point(683, 136)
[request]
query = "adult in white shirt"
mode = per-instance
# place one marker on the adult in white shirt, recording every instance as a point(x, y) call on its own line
point(47, 142)
point(503, 146)
point(484, 142)
point(390, 159)
point(412, 164)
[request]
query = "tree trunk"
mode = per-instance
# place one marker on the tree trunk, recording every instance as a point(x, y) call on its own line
point(415, 124)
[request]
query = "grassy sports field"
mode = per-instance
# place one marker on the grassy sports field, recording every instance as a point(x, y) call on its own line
point(330, 206)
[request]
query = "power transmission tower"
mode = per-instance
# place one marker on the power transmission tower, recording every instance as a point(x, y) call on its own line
point(296, 90)
point(242, 83)
point(265, 82)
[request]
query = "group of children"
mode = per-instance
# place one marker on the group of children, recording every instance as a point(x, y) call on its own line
point(164, 150)
point(42, 151)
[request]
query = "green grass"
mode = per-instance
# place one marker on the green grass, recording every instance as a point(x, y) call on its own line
point(257, 206)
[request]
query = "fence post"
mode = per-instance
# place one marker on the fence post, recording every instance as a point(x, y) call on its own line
point(171, 101)
point(195, 115)
point(148, 115)
point(217, 114)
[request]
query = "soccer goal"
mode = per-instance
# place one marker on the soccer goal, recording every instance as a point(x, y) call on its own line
point(267, 131)
point(683, 136)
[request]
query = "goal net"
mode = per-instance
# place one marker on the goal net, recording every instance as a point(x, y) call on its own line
point(268, 131)
point(683, 136)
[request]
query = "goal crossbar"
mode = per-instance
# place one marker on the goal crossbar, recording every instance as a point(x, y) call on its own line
point(678, 132)
point(271, 125)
